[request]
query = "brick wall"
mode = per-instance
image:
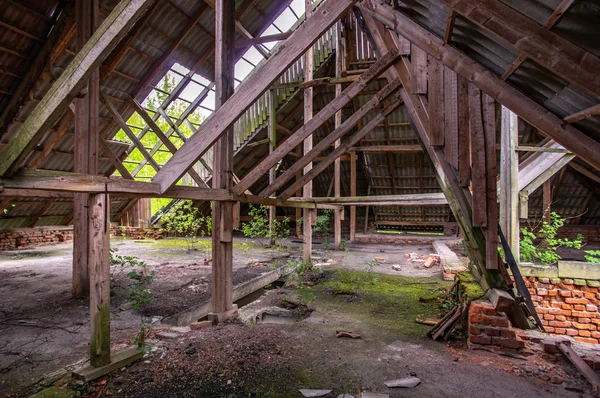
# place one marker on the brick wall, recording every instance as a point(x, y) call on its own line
point(138, 232)
point(29, 237)
point(567, 306)
point(487, 327)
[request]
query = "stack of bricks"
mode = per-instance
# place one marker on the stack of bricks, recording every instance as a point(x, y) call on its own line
point(18, 239)
point(487, 327)
point(567, 306)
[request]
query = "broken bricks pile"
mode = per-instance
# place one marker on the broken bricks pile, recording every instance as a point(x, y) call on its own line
point(422, 260)
point(488, 327)
point(18, 239)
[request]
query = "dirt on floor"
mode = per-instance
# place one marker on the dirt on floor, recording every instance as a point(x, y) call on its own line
point(43, 329)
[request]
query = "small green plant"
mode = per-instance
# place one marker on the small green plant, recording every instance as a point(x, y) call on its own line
point(305, 295)
point(344, 245)
point(138, 289)
point(546, 249)
point(123, 231)
point(324, 221)
point(592, 256)
point(187, 221)
point(326, 245)
point(259, 227)
point(370, 265)
point(5, 211)
point(245, 248)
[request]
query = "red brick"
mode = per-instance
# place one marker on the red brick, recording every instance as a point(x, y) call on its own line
point(566, 306)
point(586, 340)
point(565, 293)
point(542, 292)
point(572, 332)
point(591, 308)
point(580, 326)
point(559, 330)
point(491, 331)
point(499, 322)
point(567, 281)
point(475, 318)
point(512, 343)
point(576, 301)
point(496, 340)
point(508, 333)
point(577, 293)
point(553, 292)
point(585, 333)
point(549, 329)
point(560, 318)
point(531, 291)
point(481, 339)
point(590, 296)
point(584, 314)
point(596, 321)
point(558, 324)
point(596, 335)
point(549, 317)
point(579, 307)
point(474, 329)
point(585, 320)
point(542, 310)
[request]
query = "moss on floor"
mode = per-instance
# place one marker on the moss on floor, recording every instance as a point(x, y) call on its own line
point(386, 302)
point(469, 288)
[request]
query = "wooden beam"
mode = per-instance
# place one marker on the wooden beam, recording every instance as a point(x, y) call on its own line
point(353, 191)
point(340, 150)
point(559, 12)
point(583, 114)
point(435, 100)
point(388, 148)
point(478, 153)
point(491, 232)
point(536, 115)
point(589, 174)
point(426, 199)
point(38, 159)
point(70, 82)
point(310, 126)
point(581, 365)
point(330, 139)
point(272, 139)
point(249, 42)
point(550, 50)
point(450, 25)
point(250, 90)
point(509, 179)
point(539, 167)
point(451, 121)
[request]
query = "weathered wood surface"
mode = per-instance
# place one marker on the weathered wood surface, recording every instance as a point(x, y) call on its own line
point(435, 99)
point(478, 155)
point(70, 82)
point(331, 138)
point(249, 91)
point(311, 125)
point(308, 215)
point(535, 114)
point(545, 47)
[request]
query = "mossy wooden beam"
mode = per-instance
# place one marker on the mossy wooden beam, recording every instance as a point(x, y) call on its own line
point(70, 83)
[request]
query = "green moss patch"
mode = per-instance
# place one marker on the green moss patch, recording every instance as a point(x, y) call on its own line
point(469, 288)
point(386, 302)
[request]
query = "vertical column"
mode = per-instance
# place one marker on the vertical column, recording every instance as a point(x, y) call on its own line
point(308, 214)
point(272, 144)
point(352, 193)
point(547, 200)
point(86, 147)
point(339, 65)
point(509, 179)
point(98, 259)
point(222, 242)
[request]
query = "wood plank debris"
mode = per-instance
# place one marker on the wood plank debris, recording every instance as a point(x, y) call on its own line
point(584, 369)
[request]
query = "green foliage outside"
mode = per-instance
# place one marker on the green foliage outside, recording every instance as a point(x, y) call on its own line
point(548, 243)
point(259, 228)
point(186, 221)
point(592, 256)
point(138, 289)
point(149, 140)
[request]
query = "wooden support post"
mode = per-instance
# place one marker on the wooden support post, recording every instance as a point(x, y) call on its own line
point(222, 242)
point(478, 158)
point(491, 232)
point(308, 214)
point(272, 145)
point(99, 266)
point(87, 113)
point(299, 233)
point(435, 98)
point(547, 200)
point(352, 193)
point(339, 66)
point(509, 179)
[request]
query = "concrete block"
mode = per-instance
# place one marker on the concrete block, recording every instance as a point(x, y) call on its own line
point(578, 269)
point(540, 271)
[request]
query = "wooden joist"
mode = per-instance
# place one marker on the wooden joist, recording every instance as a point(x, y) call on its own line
point(328, 140)
point(249, 91)
point(70, 82)
point(529, 110)
point(313, 124)
point(388, 149)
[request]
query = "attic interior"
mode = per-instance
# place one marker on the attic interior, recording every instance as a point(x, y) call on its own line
point(210, 185)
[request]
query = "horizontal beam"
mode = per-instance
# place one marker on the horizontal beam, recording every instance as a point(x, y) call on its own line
point(388, 148)
point(245, 43)
point(405, 200)
point(251, 90)
point(70, 82)
point(583, 114)
point(535, 114)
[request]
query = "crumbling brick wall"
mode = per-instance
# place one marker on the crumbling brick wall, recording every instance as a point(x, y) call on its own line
point(487, 327)
point(28, 237)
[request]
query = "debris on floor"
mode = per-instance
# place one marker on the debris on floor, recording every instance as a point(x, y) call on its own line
point(425, 260)
point(347, 334)
point(408, 382)
point(313, 393)
point(396, 267)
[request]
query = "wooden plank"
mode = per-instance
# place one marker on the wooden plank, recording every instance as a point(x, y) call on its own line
point(450, 25)
point(38, 159)
point(311, 125)
point(353, 193)
point(418, 60)
point(559, 12)
point(70, 82)
point(464, 138)
point(340, 56)
point(99, 269)
point(451, 117)
point(532, 112)
point(478, 154)
point(249, 42)
point(250, 90)
point(272, 138)
point(550, 50)
point(547, 201)
point(509, 179)
point(116, 162)
point(331, 138)
point(337, 152)
point(435, 98)
point(307, 189)
point(388, 148)
point(489, 127)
